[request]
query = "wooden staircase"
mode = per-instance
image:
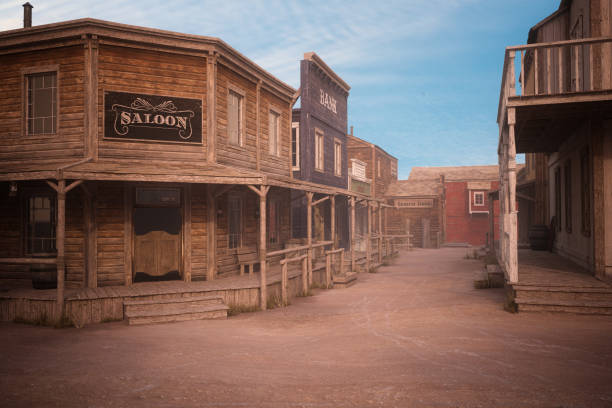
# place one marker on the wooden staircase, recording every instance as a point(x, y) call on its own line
point(568, 299)
point(174, 310)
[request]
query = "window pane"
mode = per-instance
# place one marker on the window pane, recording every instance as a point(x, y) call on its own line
point(42, 105)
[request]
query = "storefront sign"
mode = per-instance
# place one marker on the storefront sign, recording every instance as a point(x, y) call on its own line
point(152, 117)
point(327, 100)
point(415, 203)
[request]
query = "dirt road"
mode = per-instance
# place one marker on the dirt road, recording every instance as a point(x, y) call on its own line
point(416, 334)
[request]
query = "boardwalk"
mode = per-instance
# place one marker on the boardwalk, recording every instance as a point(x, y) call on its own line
point(415, 334)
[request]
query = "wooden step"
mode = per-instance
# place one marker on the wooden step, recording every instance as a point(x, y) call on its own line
point(562, 293)
point(344, 281)
point(174, 310)
point(582, 306)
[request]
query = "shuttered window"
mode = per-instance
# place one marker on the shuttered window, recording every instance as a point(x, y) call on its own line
point(319, 150)
point(235, 221)
point(295, 146)
point(40, 234)
point(273, 131)
point(42, 103)
point(337, 158)
point(235, 103)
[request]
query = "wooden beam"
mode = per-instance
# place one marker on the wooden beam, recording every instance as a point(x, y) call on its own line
point(333, 220)
point(369, 240)
point(60, 236)
point(52, 185)
point(320, 201)
point(220, 191)
point(26, 261)
point(211, 108)
point(309, 196)
point(128, 204)
point(73, 185)
point(258, 126)
point(91, 259)
point(379, 211)
point(352, 200)
point(262, 248)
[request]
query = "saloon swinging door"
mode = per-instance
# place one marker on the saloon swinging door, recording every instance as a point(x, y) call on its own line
point(157, 234)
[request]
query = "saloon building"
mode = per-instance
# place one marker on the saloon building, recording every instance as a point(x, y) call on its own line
point(132, 155)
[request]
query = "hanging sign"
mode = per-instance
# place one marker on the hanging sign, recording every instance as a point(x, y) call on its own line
point(155, 118)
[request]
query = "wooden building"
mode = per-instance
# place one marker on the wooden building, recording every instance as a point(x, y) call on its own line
point(557, 110)
point(446, 205)
point(133, 154)
point(319, 149)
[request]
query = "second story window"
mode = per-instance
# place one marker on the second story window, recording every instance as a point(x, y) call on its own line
point(274, 133)
point(295, 146)
point(337, 158)
point(479, 198)
point(235, 115)
point(41, 116)
point(319, 148)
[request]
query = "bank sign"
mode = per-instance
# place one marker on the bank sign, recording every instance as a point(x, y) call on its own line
point(152, 117)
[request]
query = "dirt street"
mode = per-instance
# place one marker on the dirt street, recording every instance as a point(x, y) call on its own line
point(415, 334)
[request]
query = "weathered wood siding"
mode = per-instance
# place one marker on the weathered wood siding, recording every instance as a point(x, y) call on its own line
point(11, 232)
point(199, 243)
point(110, 233)
point(74, 246)
point(157, 73)
point(271, 163)
point(15, 145)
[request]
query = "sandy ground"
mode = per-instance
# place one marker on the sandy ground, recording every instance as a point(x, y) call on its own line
point(416, 334)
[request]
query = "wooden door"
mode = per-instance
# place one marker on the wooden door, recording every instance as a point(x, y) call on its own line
point(156, 253)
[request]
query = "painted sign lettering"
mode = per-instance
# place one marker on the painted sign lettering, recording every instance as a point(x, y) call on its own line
point(152, 117)
point(327, 100)
point(415, 203)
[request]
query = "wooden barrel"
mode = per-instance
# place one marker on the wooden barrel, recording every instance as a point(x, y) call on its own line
point(539, 237)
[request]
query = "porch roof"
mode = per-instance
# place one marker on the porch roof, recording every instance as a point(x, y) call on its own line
point(165, 172)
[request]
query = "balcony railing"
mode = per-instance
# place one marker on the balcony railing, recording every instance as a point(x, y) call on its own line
point(556, 68)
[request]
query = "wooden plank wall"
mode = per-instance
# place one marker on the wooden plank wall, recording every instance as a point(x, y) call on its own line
point(15, 145)
point(271, 163)
point(199, 234)
point(109, 207)
point(11, 233)
point(75, 240)
point(157, 73)
point(232, 155)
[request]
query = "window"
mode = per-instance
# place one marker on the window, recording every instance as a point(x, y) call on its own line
point(585, 191)
point(378, 169)
point(235, 115)
point(319, 150)
point(273, 133)
point(558, 197)
point(337, 158)
point(567, 174)
point(41, 117)
point(273, 221)
point(295, 146)
point(479, 198)
point(40, 234)
point(234, 215)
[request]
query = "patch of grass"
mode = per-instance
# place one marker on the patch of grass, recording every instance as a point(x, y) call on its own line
point(235, 310)
point(373, 270)
point(274, 301)
point(317, 285)
point(305, 293)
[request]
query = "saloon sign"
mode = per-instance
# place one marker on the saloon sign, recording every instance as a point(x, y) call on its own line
point(152, 117)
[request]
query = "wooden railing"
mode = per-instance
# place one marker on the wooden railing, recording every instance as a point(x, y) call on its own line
point(329, 259)
point(556, 68)
point(285, 276)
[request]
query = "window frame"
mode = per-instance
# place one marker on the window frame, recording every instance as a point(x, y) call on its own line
point(337, 157)
point(319, 150)
point(478, 194)
point(237, 197)
point(295, 146)
point(27, 238)
point(25, 74)
point(277, 113)
point(231, 88)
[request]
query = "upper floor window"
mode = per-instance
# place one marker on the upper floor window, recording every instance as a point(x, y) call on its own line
point(274, 133)
point(479, 198)
point(319, 147)
point(295, 146)
point(235, 117)
point(234, 215)
point(337, 158)
point(41, 115)
point(40, 225)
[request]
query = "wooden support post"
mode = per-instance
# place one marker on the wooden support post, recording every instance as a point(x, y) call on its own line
point(284, 281)
point(211, 109)
point(60, 235)
point(332, 203)
point(369, 239)
point(305, 275)
point(491, 224)
point(262, 247)
point(128, 204)
point(211, 232)
point(328, 261)
point(258, 126)
point(341, 272)
point(511, 169)
point(309, 196)
point(352, 234)
point(380, 233)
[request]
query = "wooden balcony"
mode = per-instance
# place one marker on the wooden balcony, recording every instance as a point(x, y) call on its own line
point(553, 88)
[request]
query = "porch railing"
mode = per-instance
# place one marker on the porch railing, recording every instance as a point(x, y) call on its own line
point(556, 68)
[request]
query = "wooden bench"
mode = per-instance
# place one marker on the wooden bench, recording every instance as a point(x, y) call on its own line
point(247, 257)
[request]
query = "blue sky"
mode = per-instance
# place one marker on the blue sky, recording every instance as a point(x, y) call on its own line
point(425, 74)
